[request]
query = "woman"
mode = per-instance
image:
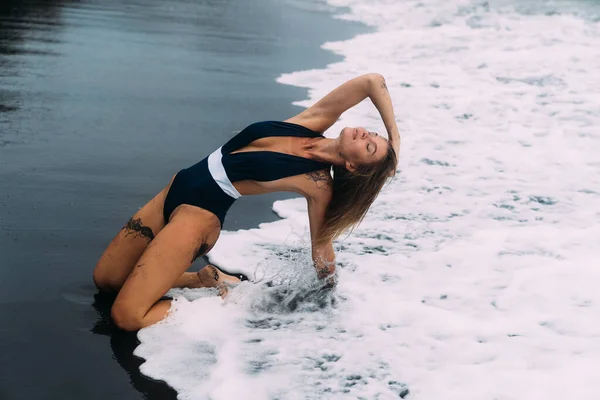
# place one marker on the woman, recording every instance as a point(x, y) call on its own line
point(153, 250)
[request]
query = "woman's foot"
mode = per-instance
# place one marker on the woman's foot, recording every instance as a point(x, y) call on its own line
point(211, 276)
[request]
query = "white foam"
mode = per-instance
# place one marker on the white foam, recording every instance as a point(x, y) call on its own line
point(475, 273)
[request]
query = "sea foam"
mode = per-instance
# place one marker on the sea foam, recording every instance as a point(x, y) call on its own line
point(475, 273)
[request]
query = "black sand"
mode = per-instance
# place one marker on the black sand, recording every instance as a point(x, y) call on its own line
point(101, 102)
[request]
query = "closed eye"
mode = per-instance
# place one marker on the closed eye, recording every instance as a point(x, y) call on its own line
point(371, 148)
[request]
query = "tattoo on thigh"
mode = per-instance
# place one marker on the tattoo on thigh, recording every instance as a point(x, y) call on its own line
point(202, 250)
point(134, 227)
point(383, 85)
point(321, 179)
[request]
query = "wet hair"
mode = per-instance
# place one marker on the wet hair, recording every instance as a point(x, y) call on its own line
point(353, 193)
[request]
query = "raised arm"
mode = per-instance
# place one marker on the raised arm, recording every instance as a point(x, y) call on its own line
point(324, 113)
point(380, 97)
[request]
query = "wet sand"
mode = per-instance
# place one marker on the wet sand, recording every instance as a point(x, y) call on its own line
point(101, 102)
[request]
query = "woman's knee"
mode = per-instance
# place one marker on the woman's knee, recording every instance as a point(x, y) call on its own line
point(125, 318)
point(104, 280)
point(101, 279)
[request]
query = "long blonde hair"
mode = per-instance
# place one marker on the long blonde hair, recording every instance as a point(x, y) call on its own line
point(353, 194)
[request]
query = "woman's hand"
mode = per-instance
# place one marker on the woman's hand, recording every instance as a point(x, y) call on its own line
point(324, 261)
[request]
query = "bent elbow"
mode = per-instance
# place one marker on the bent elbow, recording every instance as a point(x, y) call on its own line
point(375, 77)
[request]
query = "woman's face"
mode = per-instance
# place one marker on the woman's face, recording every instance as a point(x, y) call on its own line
point(359, 147)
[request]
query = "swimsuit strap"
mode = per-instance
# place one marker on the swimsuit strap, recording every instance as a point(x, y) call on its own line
point(264, 165)
point(264, 129)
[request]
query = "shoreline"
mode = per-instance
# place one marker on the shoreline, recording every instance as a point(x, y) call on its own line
point(90, 138)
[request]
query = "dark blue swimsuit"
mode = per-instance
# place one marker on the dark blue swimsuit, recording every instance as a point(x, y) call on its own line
point(209, 183)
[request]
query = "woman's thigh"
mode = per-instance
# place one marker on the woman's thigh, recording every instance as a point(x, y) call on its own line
point(123, 252)
point(190, 233)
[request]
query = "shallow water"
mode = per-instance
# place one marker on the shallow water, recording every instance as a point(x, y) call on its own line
point(474, 274)
point(100, 103)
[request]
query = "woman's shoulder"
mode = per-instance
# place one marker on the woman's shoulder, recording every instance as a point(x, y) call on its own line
point(314, 186)
point(318, 185)
point(303, 122)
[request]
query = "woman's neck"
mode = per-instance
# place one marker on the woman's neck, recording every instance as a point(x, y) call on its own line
point(324, 150)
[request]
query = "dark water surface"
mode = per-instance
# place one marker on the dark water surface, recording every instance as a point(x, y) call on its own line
point(101, 102)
